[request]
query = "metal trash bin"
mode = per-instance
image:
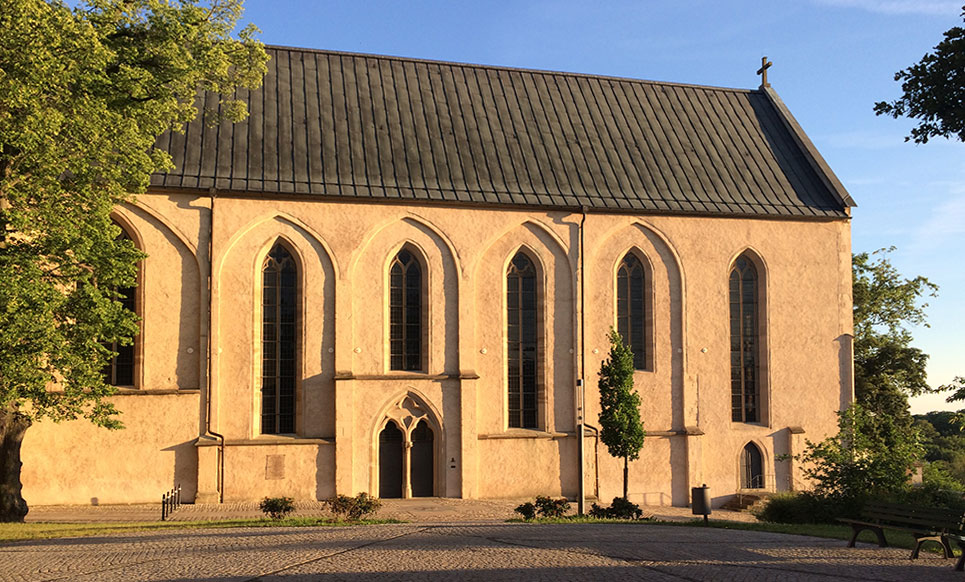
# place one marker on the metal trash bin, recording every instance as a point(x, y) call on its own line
point(700, 501)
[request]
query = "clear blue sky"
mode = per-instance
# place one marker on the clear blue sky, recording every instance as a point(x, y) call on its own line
point(832, 60)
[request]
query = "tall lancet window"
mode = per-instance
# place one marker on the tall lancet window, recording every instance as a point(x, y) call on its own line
point(522, 341)
point(405, 313)
point(744, 342)
point(120, 370)
point(278, 341)
point(631, 308)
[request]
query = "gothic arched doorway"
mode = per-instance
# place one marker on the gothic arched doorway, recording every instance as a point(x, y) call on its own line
point(409, 448)
point(391, 444)
point(421, 474)
point(752, 467)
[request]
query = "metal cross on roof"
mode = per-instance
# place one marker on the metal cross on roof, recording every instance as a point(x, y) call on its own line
point(765, 65)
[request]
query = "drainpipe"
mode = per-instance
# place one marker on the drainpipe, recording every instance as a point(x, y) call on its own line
point(596, 458)
point(211, 350)
point(580, 384)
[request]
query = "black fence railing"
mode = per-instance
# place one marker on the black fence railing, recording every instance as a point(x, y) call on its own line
point(170, 501)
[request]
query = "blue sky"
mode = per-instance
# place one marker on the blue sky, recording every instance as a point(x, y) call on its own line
point(832, 60)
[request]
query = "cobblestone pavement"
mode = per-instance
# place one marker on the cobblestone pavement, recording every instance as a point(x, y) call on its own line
point(462, 552)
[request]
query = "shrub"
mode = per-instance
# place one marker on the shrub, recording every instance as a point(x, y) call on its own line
point(547, 507)
point(620, 508)
point(353, 508)
point(277, 507)
point(527, 510)
point(807, 507)
point(543, 507)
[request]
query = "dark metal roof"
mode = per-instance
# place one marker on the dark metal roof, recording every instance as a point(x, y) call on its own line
point(363, 126)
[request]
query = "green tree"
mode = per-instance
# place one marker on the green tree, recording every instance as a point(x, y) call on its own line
point(621, 429)
point(84, 94)
point(887, 368)
point(868, 457)
point(933, 91)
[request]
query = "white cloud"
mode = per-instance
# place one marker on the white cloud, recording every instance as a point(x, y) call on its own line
point(930, 7)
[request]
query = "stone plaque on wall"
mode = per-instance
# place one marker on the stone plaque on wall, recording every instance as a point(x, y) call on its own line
point(274, 467)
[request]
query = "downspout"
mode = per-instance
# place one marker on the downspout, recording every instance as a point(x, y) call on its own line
point(580, 383)
point(596, 459)
point(211, 348)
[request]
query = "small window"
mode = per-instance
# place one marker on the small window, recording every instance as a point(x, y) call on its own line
point(632, 309)
point(522, 341)
point(120, 370)
point(405, 313)
point(278, 341)
point(744, 342)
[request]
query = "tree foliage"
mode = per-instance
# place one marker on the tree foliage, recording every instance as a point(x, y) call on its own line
point(84, 93)
point(933, 91)
point(888, 369)
point(621, 428)
point(868, 457)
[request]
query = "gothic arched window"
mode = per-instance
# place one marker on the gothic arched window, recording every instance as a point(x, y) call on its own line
point(744, 342)
point(632, 309)
point(405, 313)
point(278, 341)
point(522, 341)
point(120, 370)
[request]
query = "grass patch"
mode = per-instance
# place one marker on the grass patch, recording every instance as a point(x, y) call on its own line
point(896, 539)
point(10, 532)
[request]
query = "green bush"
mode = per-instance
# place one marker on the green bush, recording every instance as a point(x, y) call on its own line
point(353, 508)
point(277, 507)
point(807, 507)
point(543, 507)
point(547, 507)
point(527, 510)
point(620, 508)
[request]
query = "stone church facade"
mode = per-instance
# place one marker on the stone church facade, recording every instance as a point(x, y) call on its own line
point(392, 276)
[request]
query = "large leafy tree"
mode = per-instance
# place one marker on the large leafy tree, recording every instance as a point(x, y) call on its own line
point(888, 369)
point(934, 91)
point(621, 428)
point(84, 93)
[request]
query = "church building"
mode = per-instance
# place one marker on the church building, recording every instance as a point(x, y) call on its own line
point(393, 276)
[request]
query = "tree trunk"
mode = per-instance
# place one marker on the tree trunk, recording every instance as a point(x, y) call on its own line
point(625, 477)
point(13, 425)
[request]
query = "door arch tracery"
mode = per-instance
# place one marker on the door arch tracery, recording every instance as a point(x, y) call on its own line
point(408, 445)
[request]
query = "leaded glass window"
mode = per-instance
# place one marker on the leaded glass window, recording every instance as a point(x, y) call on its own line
point(120, 370)
point(522, 341)
point(631, 308)
point(744, 342)
point(405, 313)
point(278, 341)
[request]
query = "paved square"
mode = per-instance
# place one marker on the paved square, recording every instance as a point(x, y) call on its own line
point(462, 552)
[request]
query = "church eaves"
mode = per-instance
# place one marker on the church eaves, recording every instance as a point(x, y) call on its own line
point(341, 125)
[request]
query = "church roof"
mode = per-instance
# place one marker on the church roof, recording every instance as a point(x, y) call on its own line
point(341, 125)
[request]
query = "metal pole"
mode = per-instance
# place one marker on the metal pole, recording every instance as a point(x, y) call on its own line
point(580, 384)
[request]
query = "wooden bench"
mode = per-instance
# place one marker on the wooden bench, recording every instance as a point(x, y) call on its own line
point(960, 539)
point(926, 524)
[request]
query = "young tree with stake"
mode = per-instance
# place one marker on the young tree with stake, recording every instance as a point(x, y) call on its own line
point(622, 430)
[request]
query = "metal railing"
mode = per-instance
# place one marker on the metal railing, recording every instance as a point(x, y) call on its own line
point(170, 501)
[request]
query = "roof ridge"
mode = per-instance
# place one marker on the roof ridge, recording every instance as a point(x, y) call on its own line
point(549, 72)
